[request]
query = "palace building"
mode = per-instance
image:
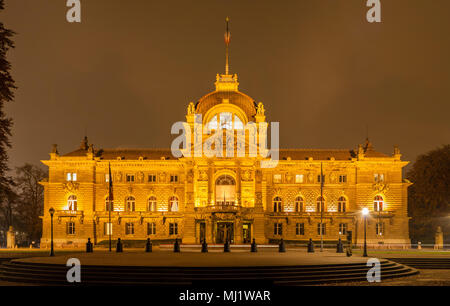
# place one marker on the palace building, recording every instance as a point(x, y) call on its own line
point(309, 193)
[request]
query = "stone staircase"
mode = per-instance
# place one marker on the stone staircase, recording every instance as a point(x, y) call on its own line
point(53, 274)
point(424, 263)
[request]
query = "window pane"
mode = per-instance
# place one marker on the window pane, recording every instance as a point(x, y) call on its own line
point(226, 121)
point(238, 125)
point(212, 125)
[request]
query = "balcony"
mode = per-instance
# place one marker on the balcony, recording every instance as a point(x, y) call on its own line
point(69, 213)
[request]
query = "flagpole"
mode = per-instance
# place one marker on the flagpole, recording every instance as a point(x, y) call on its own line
point(109, 207)
point(227, 42)
point(321, 208)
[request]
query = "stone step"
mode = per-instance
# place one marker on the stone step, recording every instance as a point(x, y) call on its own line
point(56, 274)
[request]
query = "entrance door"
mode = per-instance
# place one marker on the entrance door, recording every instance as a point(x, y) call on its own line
point(224, 232)
point(246, 233)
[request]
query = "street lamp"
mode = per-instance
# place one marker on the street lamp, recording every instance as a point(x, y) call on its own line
point(51, 211)
point(365, 212)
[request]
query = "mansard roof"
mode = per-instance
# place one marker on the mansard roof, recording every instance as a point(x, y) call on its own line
point(157, 154)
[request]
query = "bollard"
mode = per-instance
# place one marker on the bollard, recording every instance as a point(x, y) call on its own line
point(340, 246)
point(310, 246)
point(148, 246)
point(119, 247)
point(89, 246)
point(204, 246)
point(349, 251)
point(226, 246)
point(281, 246)
point(176, 246)
point(253, 248)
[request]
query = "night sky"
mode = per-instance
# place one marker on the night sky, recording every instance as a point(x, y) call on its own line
point(128, 71)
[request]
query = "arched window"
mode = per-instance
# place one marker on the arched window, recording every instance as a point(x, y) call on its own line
point(152, 206)
point(320, 204)
point(277, 204)
point(173, 203)
point(72, 203)
point(226, 121)
point(378, 203)
point(130, 203)
point(107, 204)
point(342, 204)
point(298, 204)
point(225, 190)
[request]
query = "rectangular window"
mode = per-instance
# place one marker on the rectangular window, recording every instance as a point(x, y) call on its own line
point(70, 228)
point(130, 178)
point(129, 228)
point(320, 178)
point(299, 178)
point(343, 229)
point(151, 178)
point(343, 178)
point(151, 228)
point(380, 228)
point(107, 228)
point(321, 228)
point(300, 229)
point(378, 177)
point(277, 178)
point(174, 178)
point(173, 228)
point(278, 229)
point(71, 176)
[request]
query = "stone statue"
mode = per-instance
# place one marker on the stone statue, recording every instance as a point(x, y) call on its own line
point(439, 239)
point(10, 238)
point(191, 109)
point(260, 110)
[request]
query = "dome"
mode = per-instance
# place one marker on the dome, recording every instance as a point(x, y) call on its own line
point(227, 92)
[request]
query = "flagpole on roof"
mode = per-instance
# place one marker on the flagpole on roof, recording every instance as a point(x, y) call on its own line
point(321, 207)
point(227, 43)
point(110, 200)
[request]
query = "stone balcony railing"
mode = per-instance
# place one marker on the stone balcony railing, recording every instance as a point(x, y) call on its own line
point(69, 213)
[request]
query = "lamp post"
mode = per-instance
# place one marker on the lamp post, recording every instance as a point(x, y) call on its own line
point(51, 211)
point(365, 212)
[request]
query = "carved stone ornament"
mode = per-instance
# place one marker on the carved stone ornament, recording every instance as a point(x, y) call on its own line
point(203, 176)
point(289, 178)
point(380, 187)
point(141, 177)
point(71, 186)
point(119, 176)
point(332, 177)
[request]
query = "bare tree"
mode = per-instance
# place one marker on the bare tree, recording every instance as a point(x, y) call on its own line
point(30, 202)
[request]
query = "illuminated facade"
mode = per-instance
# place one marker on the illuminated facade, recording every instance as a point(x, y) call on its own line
point(162, 197)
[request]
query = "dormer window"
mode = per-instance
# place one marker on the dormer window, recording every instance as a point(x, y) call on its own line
point(71, 177)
